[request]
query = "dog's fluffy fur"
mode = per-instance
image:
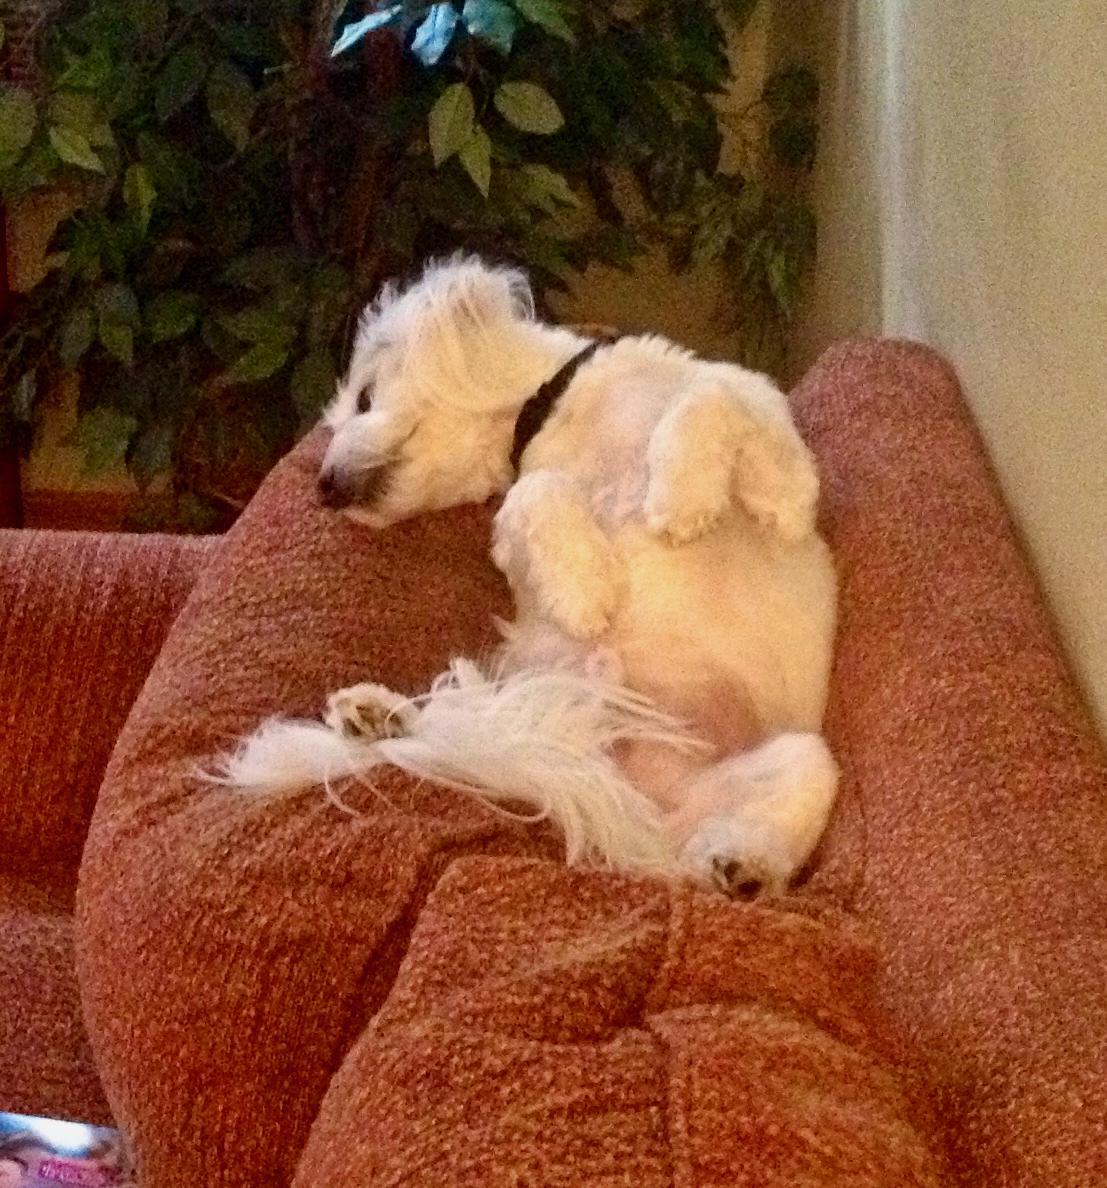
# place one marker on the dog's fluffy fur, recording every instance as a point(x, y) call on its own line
point(660, 691)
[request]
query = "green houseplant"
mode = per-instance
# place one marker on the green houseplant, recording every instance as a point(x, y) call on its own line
point(245, 174)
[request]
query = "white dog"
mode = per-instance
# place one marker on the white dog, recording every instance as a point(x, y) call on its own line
point(660, 691)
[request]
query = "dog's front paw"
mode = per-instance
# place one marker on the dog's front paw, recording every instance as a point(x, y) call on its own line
point(584, 602)
point(370, 712)
point(780, 489)
point(737, 859)
point(683, 524)
point(686, 499)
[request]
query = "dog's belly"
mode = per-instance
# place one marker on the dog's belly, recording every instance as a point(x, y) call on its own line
point(733, 632)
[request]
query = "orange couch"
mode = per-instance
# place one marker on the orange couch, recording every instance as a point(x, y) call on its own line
point(421, 993)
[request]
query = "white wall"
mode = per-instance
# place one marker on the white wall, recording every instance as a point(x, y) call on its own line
point(963, 201)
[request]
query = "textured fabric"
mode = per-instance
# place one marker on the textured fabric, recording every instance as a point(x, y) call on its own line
point(558, 1028)
point(46, 1060)
point(973, 830)
point(229, 950)
point(82, 618)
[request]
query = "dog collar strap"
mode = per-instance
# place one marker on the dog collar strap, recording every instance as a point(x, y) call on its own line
point(534, 414)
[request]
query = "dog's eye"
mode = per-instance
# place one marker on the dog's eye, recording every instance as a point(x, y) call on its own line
point(364, 399)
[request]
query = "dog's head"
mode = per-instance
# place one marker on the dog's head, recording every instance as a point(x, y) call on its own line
point(425, 416)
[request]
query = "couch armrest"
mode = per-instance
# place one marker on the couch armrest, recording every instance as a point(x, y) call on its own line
point(973, 822)
point(82, 617)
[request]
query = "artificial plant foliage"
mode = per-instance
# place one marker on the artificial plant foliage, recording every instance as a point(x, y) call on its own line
point(245, 173)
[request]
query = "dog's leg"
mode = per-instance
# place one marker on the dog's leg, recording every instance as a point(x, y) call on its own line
point(370, 712)
point(548, 545)
point(722, 440)
point(752, 821)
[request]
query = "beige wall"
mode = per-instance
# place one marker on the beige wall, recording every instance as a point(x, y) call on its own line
point(963, 201)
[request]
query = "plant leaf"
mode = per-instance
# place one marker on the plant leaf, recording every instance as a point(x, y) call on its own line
point(312, 384)
point(18, 119)
point(475, 156)
point(139, 195)
point(88, 73)
point(547, 189)
point(150, 454)
point(258, 363)
point(171, 314)
point(450, 121)
point(180, 81)
point(74, 149)
point(711, 238)
point(352, 34)
point(232, 103)
point(260, 325)
point(529, 107)
point(548, 15)
point(435, 33)
point(117, 338)
point(119, 300)
point(791, 87)
point(491, 21)
point(103, 435)
point(76, 335)
point(81, 111)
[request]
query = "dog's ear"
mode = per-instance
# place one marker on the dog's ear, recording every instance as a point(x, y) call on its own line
point(489, 295)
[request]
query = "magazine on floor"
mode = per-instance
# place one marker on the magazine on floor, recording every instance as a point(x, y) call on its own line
point(47, 1152)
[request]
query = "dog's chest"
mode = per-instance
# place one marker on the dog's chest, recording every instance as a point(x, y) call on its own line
point(600, 437)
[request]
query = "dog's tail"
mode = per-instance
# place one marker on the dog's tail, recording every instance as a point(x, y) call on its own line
point(538, 740)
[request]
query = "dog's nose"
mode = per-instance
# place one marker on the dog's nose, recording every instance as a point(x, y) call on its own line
point(332, 492)
point(340, 487)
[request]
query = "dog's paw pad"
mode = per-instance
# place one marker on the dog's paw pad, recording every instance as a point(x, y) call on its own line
point(736, 879)
point(728, 855)
point(369, 712)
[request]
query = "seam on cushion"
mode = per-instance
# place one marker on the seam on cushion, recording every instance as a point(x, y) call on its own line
point(675, 1112)
point(680, 904)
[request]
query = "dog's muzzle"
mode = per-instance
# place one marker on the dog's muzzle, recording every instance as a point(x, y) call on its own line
point(338, 488)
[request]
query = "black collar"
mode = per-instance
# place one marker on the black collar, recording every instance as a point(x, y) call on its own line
point(534, 414)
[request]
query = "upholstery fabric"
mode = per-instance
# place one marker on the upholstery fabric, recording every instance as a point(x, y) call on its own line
point(972, 835)
point(246, 968)
point(230, 951)
point(44, 1052)
point(82, 617)
point(552, 1027)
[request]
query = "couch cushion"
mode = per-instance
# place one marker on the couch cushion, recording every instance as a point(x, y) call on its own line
point(554, 1027)
point(45, 1055)
point(972, 826)
point(232, 952)
point(82, 618)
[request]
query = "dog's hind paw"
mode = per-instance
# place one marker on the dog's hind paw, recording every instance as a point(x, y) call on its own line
point(724, 855)
point(368, 711)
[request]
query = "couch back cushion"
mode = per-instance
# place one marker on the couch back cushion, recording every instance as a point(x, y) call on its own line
point(82, 618)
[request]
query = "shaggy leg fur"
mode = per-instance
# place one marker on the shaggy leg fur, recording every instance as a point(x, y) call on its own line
point(757, 817)
point(546, 541)
point(710, 444)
